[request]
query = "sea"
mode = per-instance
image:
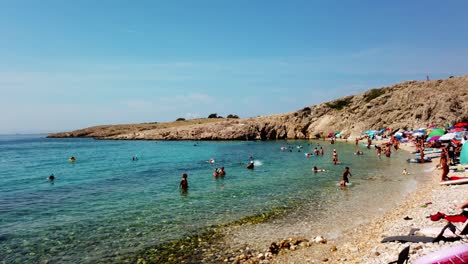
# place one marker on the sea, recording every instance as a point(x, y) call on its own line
point(106, 205)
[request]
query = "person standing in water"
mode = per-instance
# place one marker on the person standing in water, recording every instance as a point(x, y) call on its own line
point(345, 177)
point(184, 183)
point(335, 157)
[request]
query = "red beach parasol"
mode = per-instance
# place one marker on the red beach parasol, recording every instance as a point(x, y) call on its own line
point(461, 124)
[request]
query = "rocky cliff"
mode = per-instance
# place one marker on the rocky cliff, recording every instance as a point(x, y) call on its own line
point(410, 104)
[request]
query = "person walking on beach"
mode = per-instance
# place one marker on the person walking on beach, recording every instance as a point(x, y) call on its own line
point(184, 183)
point(345, 177)
point(445, 167)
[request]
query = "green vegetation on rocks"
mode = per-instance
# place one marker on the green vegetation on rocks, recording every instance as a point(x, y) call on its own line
point(340, 103)
point(373, 93)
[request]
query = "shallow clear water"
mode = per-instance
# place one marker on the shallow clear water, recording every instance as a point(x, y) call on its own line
point(105, 205)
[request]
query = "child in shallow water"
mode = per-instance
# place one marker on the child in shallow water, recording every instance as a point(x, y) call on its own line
point(345, 177)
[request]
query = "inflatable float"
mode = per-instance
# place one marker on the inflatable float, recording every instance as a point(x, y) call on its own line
point(418, 160)
point(455, 254)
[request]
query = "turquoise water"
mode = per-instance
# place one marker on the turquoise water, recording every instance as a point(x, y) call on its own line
point(105, 205)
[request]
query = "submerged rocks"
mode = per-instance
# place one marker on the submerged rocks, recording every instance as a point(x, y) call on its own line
point(288, 244)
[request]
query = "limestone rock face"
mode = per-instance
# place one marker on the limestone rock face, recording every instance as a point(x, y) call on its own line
point(410, 104)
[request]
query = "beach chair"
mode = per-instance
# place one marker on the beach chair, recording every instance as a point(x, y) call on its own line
point(423, 239)
point(403, 257)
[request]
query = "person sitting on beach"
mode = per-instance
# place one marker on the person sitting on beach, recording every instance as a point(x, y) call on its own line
point(345, 177)
point(335, 157)
point(315, 169)
point(215, 172)
point(183, 185)
point(221, 171)
point(51, 177)
point(250, 166)
point(404, 172)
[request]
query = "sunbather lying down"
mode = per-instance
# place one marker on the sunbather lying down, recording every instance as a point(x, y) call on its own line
point(441, 235)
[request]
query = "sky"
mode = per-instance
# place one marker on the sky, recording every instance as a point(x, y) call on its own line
point(67, 65)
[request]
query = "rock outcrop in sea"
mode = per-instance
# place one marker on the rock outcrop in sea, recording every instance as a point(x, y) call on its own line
point(410, 104)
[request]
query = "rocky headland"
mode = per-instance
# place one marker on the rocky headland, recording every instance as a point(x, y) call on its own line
point(410, 104)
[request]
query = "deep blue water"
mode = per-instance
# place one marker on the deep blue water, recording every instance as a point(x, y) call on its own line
point(105, 205)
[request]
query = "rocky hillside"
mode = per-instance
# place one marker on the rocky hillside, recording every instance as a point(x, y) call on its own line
point(410, 104)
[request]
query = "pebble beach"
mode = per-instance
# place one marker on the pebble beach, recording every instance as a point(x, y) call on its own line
point(363, 243)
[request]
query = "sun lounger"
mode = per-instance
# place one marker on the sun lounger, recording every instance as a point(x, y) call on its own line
point(423, 239)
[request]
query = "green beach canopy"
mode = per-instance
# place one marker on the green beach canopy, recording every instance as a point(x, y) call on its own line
point(436, 132)
point(464, 154)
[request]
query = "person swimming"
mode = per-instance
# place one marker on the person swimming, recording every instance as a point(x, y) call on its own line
point(51, 177)
point(404, 172)
point(359, 152)
point(251, 165)
point(215, 172)
point(72, 159)
point(315, 169)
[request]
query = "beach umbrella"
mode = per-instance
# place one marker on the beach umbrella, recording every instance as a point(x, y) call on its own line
point(434, 138)
point(457, 129)
point(464, 154)
point(331, 134)
point(423, 131)
point(418, 134)
point(461, 124)
point(436, 132)
point(337, 132)
point(447, 136)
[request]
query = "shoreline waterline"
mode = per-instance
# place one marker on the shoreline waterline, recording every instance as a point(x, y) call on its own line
point(255, 236)
point(284, 181)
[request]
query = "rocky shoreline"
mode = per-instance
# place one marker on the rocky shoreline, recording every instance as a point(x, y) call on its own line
point(408, 104)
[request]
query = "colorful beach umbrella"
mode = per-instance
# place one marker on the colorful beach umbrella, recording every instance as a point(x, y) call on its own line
point(436, 132)
point(461, 124)
point(434, 138)
point(457, 129)
point(464, 154)
point(447, 136)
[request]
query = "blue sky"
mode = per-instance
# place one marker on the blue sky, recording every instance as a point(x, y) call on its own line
point(72, 64)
